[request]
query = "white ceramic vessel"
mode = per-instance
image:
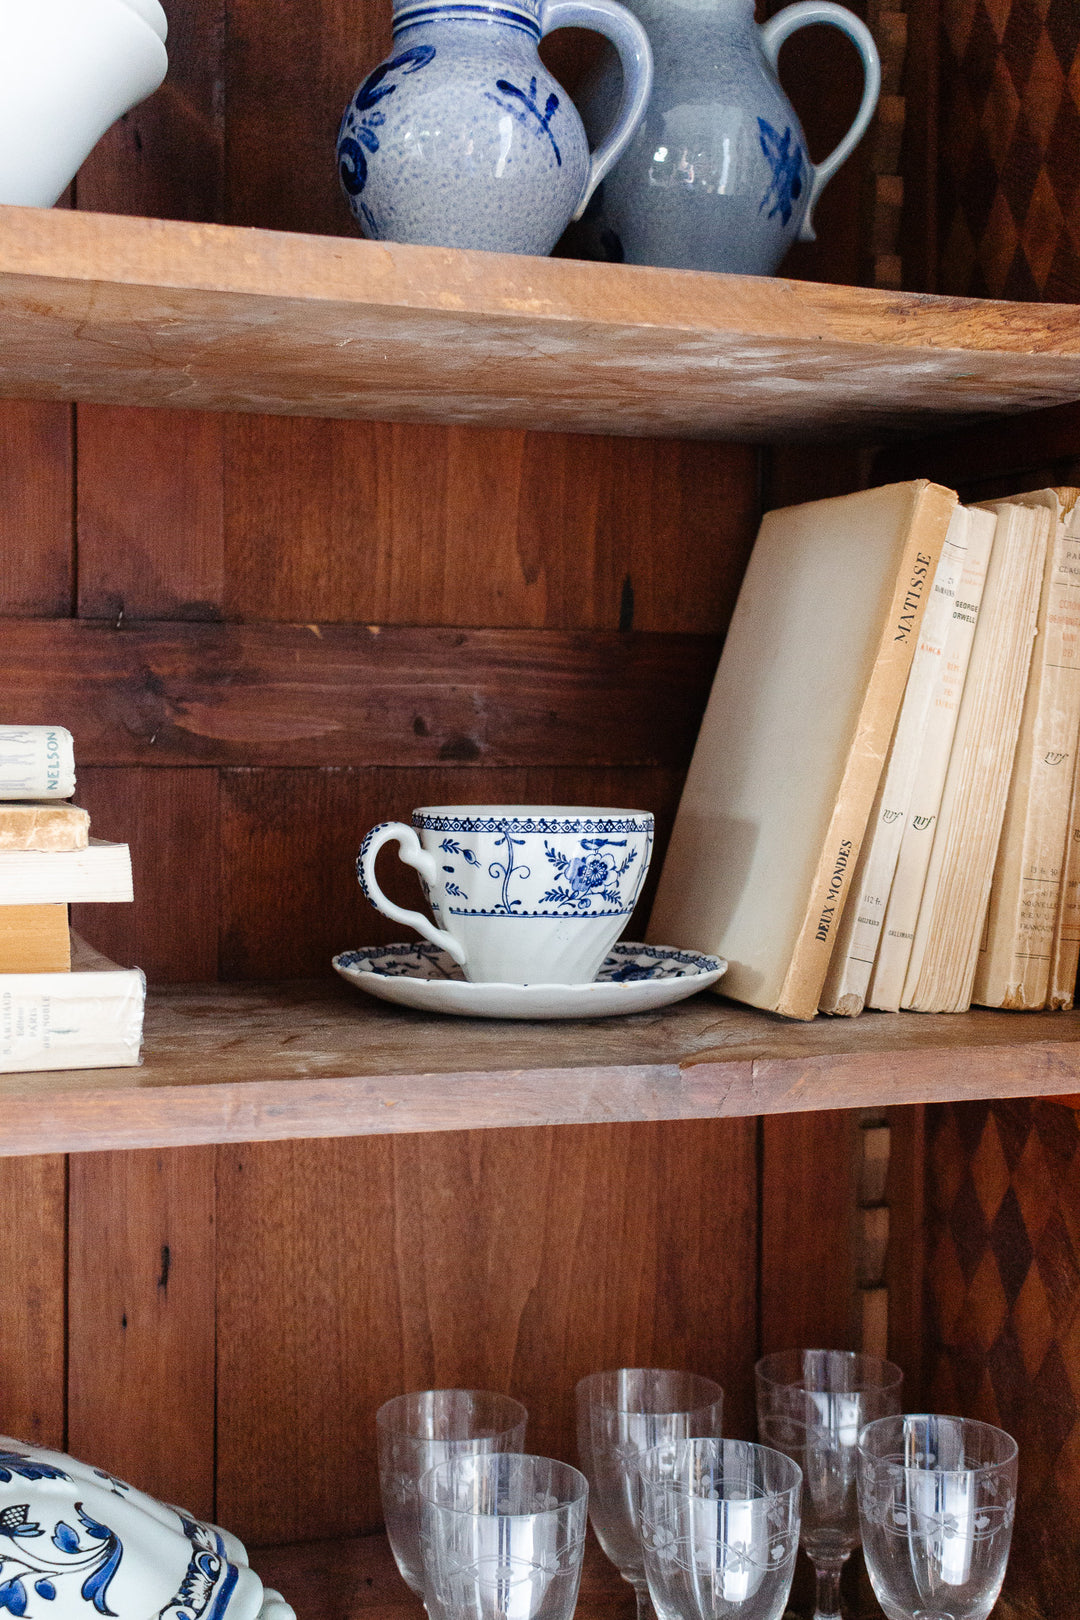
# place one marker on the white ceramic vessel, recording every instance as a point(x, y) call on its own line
point(81, 1543)
point(68, 70)
point(520, 893)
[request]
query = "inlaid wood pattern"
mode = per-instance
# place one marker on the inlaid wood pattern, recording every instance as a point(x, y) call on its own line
point(1003, 1300)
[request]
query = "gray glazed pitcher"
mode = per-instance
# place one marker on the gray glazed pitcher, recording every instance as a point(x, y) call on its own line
point(717, 176)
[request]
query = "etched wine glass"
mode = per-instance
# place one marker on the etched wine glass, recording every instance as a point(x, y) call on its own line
point(719, 1529)
point(621, 1414)
point(937, 1496)
point(502, 1537)
point(426, 1427)
point(811, 1406)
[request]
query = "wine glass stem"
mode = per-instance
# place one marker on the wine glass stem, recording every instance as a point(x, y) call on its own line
point(827, 1595)
point(645, 1610)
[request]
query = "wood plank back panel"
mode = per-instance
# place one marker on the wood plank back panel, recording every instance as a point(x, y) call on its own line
point(514, 1260)
point(807, 1280)
point(141, 1329)
point(36, 560)
point(170, 820)
point(33, 1237)
point(391, 523)
point(170, 694)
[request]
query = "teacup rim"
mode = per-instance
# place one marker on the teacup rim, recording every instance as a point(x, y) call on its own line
point(524, 812)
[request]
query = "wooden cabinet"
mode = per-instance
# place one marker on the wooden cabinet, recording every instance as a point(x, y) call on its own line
point(297, 532)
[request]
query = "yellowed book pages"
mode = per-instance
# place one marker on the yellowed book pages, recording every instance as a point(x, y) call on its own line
point(1066, 952)
point(793, 739)
point(34, 939)
point(902, 913)
point(953, 909)
point(1013, 967)
point(860, 926)
point(43, 827)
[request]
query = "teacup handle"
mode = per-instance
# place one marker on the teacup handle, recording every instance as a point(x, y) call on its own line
point(773, 34)
point(413, 853)
point(631, 41)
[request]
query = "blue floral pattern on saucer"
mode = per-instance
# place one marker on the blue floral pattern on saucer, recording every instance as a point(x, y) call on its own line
point(633, 978)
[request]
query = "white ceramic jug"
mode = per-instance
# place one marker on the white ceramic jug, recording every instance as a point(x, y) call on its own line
point(69, 69)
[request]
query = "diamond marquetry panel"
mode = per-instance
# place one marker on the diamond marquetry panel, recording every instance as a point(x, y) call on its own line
point(1003, 1315)
point(1009, 171)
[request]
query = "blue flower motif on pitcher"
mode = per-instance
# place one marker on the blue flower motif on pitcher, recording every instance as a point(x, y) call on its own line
point(523, 105)
point(592, 876)
point(360, 123)
point(785, 159)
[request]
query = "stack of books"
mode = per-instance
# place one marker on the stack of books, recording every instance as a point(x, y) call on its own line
point(883, 808)
point(62, 1005)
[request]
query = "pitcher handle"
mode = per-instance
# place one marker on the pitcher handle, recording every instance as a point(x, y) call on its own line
point(773, 34)
point(631, 41)
point(413, 854)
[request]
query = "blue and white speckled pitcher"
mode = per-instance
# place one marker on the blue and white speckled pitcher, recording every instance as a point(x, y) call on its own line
point(461, 137)
point(717, 176)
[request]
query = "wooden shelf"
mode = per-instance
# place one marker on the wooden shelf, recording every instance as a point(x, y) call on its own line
point(156, 312)
point(357, 1579)
point(236, 1063)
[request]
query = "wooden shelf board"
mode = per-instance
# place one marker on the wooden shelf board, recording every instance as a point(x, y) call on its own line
point(356, 1579)
point(234, 1063)
point(165, 313)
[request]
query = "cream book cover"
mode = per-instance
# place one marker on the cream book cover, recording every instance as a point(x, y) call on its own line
point(1065, 956)
point(1013, 967)
point(90, 1018)
point(794, 735)
point(901, 914)
point(860, 926)
point(953, 908)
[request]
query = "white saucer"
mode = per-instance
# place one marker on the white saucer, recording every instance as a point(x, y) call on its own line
point(633, 978)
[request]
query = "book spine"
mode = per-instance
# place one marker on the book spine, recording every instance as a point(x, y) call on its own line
point(860, 926)
point(36, 762)
point(71, 1020)
point(1066, 950)
point(805, 978)
point(886, 984)
point(1013, 969)
point(941, 971)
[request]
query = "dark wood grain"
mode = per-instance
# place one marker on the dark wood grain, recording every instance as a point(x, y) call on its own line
point(170, 820)
point(515, 1260)
point(808, 1266)
point(399, 523)
point(36, 558)
point(201, 694)
point(141, 1320)
point(33, 1286)
point(151, 518)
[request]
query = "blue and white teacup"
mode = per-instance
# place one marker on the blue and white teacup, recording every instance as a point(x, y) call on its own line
point(520, 893)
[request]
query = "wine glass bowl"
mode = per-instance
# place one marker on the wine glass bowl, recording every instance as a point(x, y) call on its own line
point(502, 1537)
point(425, 1427)
point(937, 1497)
point(719, 1529)
point(621, 1414)
point(812, 1405)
